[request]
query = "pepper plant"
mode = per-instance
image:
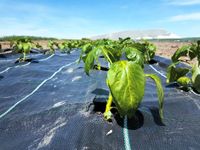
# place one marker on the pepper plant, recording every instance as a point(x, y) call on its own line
point(178, 74)
point(68, 45)
point(126, 79)
point(52, 46)
point(23, 46)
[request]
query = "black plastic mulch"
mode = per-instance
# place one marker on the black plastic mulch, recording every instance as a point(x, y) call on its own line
point(66, 111)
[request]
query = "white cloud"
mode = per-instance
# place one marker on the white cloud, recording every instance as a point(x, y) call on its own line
point(185, 17)
point(183, 2)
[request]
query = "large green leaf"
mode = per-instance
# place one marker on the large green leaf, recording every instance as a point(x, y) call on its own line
point(196, 78)
point(183, 51)
point(160, 92)
point(126, 81)
point(174, 73)
point(134, 55)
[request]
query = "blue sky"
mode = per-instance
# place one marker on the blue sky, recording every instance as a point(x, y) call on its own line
point(86, 18)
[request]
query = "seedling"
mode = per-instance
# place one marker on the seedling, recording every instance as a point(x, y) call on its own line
point(52, 46)
point(23, 46)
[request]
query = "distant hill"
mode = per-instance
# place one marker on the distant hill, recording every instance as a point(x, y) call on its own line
point(139, 34)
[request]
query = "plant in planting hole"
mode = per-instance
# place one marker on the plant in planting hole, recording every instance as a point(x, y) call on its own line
point(68, 45)
point(64, 47)
point(146, 48)
point(23, 46)
point(125, 78)
point(176, 73)
point(52, 46)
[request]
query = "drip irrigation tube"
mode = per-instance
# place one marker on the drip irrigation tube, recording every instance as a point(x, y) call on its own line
point(25, 64)
point(126, 135)
point(37, 88)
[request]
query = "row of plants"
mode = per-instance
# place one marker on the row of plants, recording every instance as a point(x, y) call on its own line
point(126, 79)
point(24, 46)
point(126, 58)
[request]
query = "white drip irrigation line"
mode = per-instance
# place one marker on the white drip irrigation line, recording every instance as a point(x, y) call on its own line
point(5, 70)
point(126, 135)
point(25, 64)
point(47, 58)
point(7, 60)
point(36, 89)
point(14, 59)
point(22, 65)
point(194, 92)
point(65, 54)
point(30, 62)
point(194, 100)
point(158, 72)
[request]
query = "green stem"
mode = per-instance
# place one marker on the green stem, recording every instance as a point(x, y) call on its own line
point(107, 113)
point(24, 56)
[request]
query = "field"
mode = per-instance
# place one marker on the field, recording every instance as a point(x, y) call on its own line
point(54, 102)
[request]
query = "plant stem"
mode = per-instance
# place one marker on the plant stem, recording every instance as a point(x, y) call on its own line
point(24, 58)
point(107, 113)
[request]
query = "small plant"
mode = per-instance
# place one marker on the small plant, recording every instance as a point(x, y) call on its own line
point(178, 74)
point(23, 46)
point(64, 47)
point(52, 46)
point(125, 78)
point(38, 46)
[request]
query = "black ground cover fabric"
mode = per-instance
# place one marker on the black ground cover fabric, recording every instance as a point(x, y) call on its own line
point(66, 111)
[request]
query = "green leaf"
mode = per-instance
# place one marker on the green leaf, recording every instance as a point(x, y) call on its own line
point(26, 47)
point(150, 51)
point(134, 55)
point(61, 46)
point(114, 52)
point(184, 81)
point(89, 62)
point(196, 78)
point(19, 46)
point(87, 48)
point(126, 82)
point(106, 54)
point(193, 51)
point(183, 51)
point(160, 92)
point(174, 73)
point(90, 58)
